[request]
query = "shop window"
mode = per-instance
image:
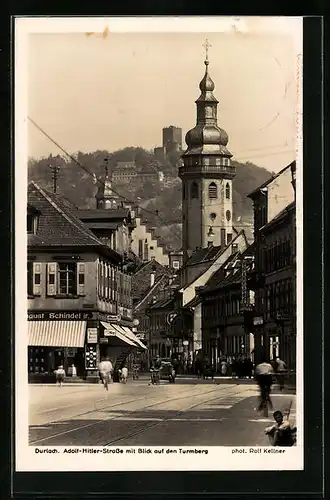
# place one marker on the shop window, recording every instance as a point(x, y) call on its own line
point(213, 190)
point(227, 191)
point(194, 190)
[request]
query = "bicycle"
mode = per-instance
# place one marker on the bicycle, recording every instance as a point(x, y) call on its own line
point(155, 376)
point(105, 378)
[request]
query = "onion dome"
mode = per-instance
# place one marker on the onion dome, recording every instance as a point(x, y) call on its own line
point(207, 83)
point(206, 136)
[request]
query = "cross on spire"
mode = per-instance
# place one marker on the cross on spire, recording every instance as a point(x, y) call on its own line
point(206, 46)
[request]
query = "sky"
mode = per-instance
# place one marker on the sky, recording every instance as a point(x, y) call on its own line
point(89, 91)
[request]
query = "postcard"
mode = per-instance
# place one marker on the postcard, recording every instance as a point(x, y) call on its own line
point(159, 244)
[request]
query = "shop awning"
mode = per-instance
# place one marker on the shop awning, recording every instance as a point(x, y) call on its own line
point(57, 333)
point(112, 330)
point(131, 335)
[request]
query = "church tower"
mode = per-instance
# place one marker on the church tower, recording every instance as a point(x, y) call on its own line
point(206, 175)
point(105, 197)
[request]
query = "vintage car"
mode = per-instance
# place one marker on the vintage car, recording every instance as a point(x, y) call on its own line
point(167, 371)
point(164, 372)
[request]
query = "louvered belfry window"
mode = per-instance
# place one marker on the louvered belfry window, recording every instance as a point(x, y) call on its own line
point(213, 190)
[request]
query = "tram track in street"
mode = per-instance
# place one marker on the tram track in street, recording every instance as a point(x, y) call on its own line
point(121, 404)
point(152, 425)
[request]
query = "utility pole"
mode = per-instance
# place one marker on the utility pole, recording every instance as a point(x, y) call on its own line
point(245, 299)
point(55, 170)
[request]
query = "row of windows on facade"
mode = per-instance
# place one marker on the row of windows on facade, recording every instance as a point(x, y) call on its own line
point(277, 297)
point(68, 279)
point(114, 285)
point(222, 307)
point(212, 191)
point(158, 320)
point(277, 256)
point(233, 345)
point(190, 162)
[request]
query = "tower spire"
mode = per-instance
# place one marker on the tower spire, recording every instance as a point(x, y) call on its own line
point(206, 175)
point(105, 197)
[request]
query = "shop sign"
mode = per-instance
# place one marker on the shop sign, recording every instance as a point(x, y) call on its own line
point(141, 336)
point(258, 320)
point(171, 317)
point(59, 315)
point(91, 335)
point(72, 316)
point(109, 333)
point(90, 357)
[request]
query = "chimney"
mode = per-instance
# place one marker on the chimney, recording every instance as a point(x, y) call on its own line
point(223, 238)
point(152, 279)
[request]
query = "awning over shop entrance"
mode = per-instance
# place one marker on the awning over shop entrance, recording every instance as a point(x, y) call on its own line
point(57, 333)
point(133, 337)
point(112, 330)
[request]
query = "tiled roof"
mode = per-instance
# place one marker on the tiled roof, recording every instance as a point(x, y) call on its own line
point(281, 215)
point(212, 257)
point(203, 255)
point(98, 214)
point(164, 302)
point(221, 280)
point(101, 225)
point(141, 279)
point(57, 224)
point(150, 293)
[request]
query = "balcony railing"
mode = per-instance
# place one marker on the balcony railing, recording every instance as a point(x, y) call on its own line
point(207, 169)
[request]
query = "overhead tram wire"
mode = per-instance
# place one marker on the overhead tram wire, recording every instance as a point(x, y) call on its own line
point(124, 197)
point(100, 180)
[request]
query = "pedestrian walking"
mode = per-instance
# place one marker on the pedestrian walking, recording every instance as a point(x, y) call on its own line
point(123, 374)
point(60, 375)
point(280, 368)
point(105, 371)
point(224, 368)
point(281, 433)
point(264, 378)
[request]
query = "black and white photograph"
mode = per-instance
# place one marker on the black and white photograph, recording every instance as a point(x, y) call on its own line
point(159, 243)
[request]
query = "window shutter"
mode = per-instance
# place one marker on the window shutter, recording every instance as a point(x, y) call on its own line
point(80, 278)
point(36, 278)
point(51, 278)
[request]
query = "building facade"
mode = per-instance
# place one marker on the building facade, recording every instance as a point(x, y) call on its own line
point(79, 297)
point(227, 301)
point(206, 175)
point(275, 267)
point(124, 172)
point(146, 244)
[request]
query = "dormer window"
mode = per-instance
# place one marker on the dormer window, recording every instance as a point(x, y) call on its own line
point(31, 223)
